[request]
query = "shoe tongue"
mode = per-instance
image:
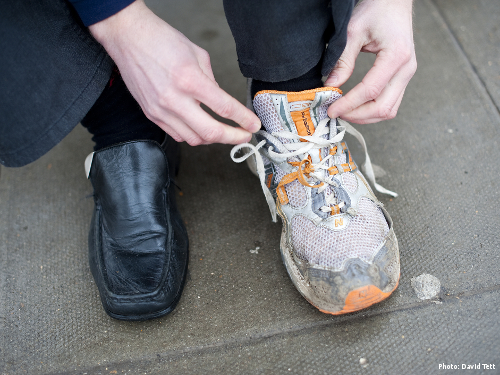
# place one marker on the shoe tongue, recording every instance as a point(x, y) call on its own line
point(296, 112)
point(307, 109)
point(300, 112)
point(299, 108)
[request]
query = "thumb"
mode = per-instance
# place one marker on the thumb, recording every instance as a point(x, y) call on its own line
point(345, 65)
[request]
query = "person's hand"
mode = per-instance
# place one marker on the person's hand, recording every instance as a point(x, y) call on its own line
point(169, 76)
point(383, 27)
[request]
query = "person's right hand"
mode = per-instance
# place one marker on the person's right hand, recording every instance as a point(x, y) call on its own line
point(169, 76)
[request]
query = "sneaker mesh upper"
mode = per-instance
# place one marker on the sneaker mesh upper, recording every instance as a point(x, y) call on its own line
point(264, 108)
point(322, 111)
point(350, 182)
point(296, 194)
point(318, 244)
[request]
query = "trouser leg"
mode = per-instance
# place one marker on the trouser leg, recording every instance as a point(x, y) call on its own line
point(52, 72)
point(278, 41)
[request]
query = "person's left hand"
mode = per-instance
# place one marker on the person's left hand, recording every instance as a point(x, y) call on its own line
point(382, 27)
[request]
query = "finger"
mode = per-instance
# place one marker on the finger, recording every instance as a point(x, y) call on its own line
point(385, 106)
point(178, 130)
point(385, 67)
point(212, 131)
point(345, 65)
point(364, 113)
point(226, 106)
point(170, 131)
point(204, 61)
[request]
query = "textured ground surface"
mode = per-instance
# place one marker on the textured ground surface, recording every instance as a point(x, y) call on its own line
point(239, 312)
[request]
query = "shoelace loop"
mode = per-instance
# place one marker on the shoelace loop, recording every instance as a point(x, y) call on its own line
point(254, 150)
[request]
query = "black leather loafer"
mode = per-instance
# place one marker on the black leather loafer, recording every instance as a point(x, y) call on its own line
point(138, 245)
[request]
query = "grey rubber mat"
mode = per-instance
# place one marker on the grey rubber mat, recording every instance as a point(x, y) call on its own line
point(239, 312)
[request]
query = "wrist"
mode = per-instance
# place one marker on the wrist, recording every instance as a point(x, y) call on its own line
point(106, 31)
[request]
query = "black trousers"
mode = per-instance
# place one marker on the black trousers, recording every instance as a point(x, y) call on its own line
point(53, 71)
point(277, 40)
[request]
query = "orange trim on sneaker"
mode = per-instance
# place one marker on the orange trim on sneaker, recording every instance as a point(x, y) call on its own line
point(303, 122)
point(269, 180)
point(362, 298)
point(304, 169)
point(282, 195)
point(299, 95)
point(335, 210)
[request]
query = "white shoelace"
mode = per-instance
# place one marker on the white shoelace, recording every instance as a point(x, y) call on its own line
point(312, 142)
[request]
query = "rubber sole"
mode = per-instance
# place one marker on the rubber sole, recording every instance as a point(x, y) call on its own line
point(360, 299)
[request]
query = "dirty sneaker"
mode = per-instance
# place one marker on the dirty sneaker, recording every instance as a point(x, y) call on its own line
point(337, 243)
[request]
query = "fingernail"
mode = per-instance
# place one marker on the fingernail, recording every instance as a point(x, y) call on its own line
point(332, 80)
point(256, 127)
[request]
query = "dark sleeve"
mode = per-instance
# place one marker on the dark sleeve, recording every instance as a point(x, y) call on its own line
point(93, 11)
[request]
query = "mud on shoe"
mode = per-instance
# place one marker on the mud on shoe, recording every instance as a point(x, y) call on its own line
point(338, 242)
point(138, 246)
